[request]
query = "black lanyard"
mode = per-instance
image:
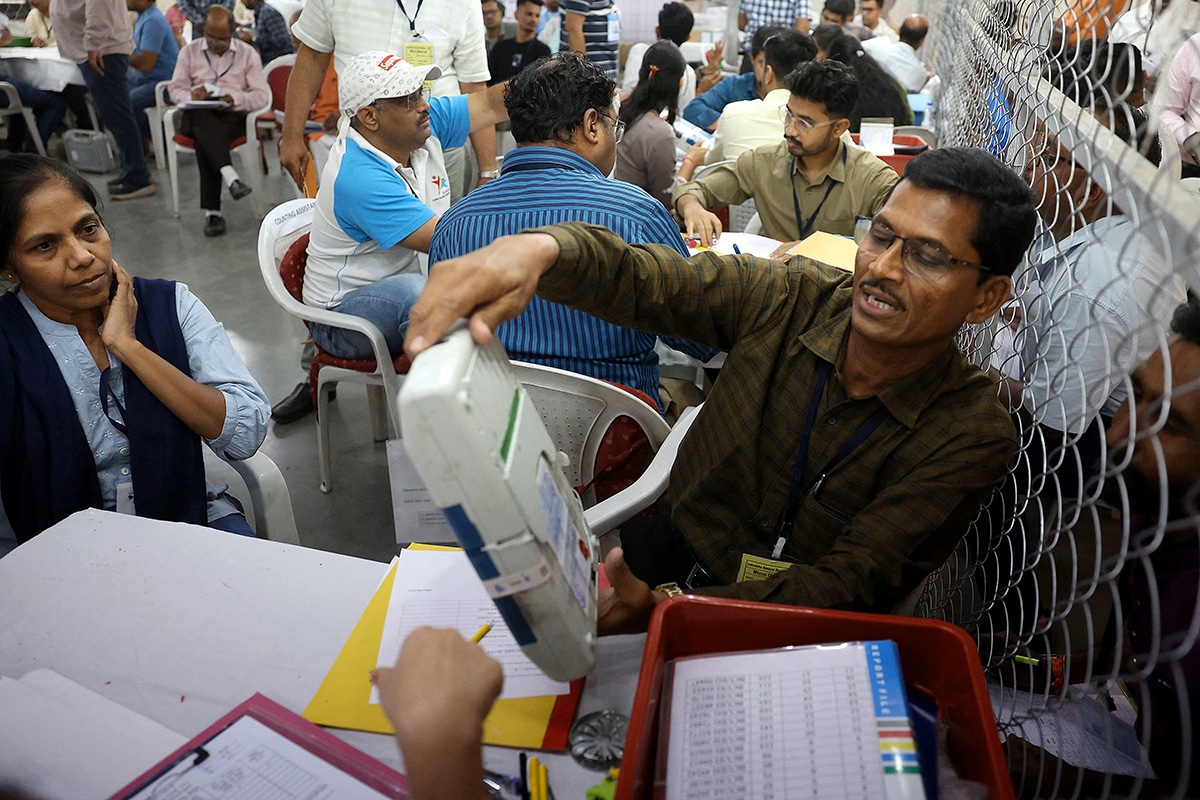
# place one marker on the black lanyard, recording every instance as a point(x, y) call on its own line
point(796, 491)
point(804, 229)
point(105, 393)
point(214, 69)
point(412, 21)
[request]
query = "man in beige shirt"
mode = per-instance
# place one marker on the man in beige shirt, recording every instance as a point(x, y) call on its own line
point(747, 124)
point(810, 181)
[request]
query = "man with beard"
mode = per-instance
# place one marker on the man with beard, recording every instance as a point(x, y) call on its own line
point(1158, 590)
point(811, 181)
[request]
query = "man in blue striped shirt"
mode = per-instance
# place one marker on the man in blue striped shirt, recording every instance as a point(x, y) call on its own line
point(567, 130)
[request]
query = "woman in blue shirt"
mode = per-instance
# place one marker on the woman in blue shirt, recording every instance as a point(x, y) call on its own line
point(107, 382)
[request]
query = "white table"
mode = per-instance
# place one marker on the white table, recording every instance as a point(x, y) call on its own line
point(42, 67)
point(181, 623)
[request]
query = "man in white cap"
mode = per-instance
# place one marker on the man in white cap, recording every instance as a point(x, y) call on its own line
point(381, 194)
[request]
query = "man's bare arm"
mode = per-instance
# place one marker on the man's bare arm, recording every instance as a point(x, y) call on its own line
point(307, 75)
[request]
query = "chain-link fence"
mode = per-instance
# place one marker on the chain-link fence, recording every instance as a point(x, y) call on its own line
point(1079, 578)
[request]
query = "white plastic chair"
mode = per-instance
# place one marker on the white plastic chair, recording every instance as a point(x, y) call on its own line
point(155, 114)
point(247, 151)
point(577, 411)
point(287, 223)
point(269, 498)
point(926, 135)
point(616, 510)
point(15, 108)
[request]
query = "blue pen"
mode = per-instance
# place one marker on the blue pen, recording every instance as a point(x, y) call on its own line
point(737, 250)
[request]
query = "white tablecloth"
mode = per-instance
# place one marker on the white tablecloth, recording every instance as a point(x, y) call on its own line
point(181, 623)
point(41, 66)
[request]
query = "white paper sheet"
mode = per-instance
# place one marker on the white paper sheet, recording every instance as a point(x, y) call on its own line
point(441, 589)
point(61, 741)
point(747, 244)
point(249, 761)
point(416, 516)
point(1076, 728)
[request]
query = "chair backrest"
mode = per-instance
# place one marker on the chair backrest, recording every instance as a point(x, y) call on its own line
point(278, 72)
point(291, 268)
point(280, 229)
point(926, 135)
point(579, 412)
point(14, 100)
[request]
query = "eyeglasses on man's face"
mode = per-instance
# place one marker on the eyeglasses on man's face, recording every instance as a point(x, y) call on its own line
point(804, 125)
point(411, 101)
point(919, 257)
point(618, 126)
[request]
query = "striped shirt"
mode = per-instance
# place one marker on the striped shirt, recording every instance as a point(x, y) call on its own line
point(601, 31)
point(542, 186)
point(888, 514)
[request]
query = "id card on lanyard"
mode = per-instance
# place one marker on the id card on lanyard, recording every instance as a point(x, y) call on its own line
point(417, 51)
point(756, 568)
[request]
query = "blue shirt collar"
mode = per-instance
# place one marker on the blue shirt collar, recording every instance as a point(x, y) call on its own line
point(534, 157)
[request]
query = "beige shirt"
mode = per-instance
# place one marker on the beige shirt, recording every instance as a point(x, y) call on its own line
point(38, 27)
point(85, 25)
point(748, 124)
point(881, 30)
point(861, 183)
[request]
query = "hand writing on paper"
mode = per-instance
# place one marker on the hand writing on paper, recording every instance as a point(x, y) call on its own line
point(624, 607)
point(436, 698)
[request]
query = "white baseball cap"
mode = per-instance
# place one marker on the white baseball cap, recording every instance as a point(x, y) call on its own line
point(377, 74)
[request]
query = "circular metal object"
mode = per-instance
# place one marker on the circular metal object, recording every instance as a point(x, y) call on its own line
point(597, 740)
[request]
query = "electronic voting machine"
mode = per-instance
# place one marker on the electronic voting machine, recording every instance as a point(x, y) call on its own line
point(480, 446)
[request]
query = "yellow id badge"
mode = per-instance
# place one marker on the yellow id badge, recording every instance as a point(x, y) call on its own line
point(420, 54)
point(759, 568)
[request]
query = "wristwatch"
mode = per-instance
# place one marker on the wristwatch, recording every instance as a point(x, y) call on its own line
point(669, 589)
point(489, 173)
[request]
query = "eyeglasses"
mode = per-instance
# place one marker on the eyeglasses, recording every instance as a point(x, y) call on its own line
point(788, 118)
point(919, 257)
point(410, 101)
point(618, 126)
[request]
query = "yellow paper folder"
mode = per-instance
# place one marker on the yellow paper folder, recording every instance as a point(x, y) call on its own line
point(836, 251)
point(343, 699)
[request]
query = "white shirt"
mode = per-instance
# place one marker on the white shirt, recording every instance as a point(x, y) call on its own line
point(1107, 296)
point(881, 31)
point(347, 28)
point(747, 124)
point(900, 60)
point(633, 68)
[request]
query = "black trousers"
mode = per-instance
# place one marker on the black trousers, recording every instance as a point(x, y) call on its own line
point(658, 553)
point(214, 132)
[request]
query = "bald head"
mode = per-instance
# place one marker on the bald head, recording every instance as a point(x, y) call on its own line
point(218, 29)
point(914, 29)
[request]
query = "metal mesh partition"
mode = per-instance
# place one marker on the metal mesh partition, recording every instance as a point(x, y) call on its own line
point(1079, 577)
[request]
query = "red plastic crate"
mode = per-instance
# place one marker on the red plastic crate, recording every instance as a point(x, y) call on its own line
point(935, 656)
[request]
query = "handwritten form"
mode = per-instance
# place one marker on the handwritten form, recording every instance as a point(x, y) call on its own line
point(249, 761)
point(441, 589)
point(797, 724)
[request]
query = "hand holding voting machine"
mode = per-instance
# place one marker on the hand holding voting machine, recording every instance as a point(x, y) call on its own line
point(480, 446)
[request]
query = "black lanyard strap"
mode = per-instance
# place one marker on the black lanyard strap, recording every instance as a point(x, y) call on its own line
point(805, 227)
point(797, 491)
point(105, 393)
point(217, 77)
point(412, 21)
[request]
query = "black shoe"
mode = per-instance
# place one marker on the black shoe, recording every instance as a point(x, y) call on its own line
point(295, 406)
point(127, 191)
point(238, 190)
point(214, 225)
point(113, 182)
